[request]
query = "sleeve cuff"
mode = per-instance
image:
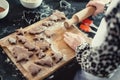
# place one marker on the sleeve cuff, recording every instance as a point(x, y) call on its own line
point(80, 49)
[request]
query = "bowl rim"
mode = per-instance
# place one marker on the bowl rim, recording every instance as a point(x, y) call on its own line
point(31, 2)
point(7, 4)
point(31, 5)
point(4, 13)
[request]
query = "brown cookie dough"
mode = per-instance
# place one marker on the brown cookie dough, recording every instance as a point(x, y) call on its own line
point(38, 38)
point(21, 39)
point(57, 57)
point(47, 61)
point(49, 33)
point(60, 15)
point(37, 30)
point(53, 18)
point(34, 69)
point(48, 23)
point(20, 31)
point(57, 16)
point(21, 54)
point(43, 45)
point(29, 46)
point(12, 40)
point(40, 54)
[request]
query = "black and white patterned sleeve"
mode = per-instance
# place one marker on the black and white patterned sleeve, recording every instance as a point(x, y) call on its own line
point(104, 60)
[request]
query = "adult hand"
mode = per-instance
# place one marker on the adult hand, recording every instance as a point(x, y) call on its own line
point(98, 4)
point(73, 40)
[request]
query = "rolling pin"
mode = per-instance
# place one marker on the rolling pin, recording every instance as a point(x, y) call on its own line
point(79, 16)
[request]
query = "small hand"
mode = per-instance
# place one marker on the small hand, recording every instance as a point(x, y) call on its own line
point(98, 4)
point(73, 40)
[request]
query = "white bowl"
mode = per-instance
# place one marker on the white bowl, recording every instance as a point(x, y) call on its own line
point(4, 4)
point(31, 3)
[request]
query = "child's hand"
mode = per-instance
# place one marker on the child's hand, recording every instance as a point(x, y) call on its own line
point(98, 4)
point(73, 40)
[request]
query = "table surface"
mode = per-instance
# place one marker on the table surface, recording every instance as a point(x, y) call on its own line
point(19, 16)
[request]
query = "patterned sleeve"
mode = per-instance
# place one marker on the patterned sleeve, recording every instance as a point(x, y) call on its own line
point(104, 60)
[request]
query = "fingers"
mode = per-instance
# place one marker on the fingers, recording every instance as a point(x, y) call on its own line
point(66, 40)
point(69, 34)
point(91, 3)
point(99, 5)
point(69, 40)
point(72, 35)
point(69, 37)
point(73, 40)
point(80, 34)
point(69, 43)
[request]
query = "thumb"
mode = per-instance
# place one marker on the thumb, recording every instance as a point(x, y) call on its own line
point(90, 3)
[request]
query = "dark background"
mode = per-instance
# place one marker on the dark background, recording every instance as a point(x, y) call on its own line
point(19, 16)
